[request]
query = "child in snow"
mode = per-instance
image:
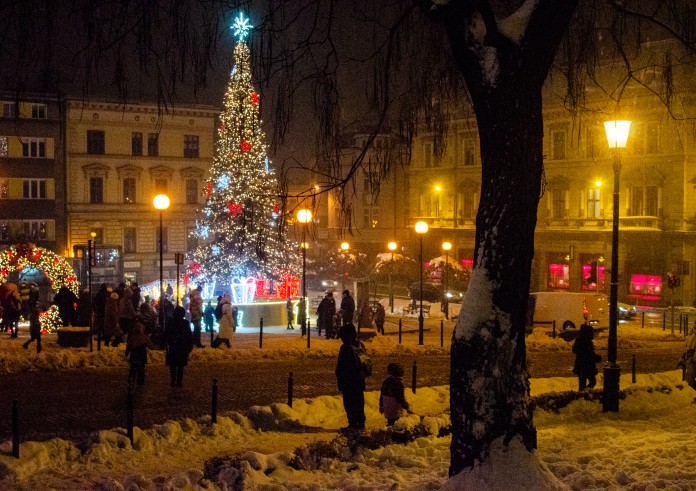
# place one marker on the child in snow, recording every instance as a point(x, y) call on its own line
point(392, 402)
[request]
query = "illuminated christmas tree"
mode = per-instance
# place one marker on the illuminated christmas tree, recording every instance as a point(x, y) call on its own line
point(241, 223)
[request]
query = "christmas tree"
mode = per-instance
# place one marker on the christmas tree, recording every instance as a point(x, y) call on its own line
point(241, 224)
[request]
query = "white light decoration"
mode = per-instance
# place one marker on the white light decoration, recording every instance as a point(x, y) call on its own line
point(223, 181)
point(241, 27)
point(243, 289)
point(208, 290)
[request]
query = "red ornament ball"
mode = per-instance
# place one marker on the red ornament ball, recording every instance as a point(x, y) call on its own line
point(246, 146)
point(254, 98)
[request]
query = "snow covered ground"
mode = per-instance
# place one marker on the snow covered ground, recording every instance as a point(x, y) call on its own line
point(648, 445)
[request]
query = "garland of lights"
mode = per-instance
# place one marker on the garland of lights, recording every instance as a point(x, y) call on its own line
point(27, 255)
point(50, 320)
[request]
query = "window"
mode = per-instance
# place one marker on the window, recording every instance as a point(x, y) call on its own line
point(593, 202)
point(191, 191)
point(34, 148)
point(191, 146)
point(161, 186)
point(559, 276)
point(8, 109)
point(468, 149)
point(129, 190)
point(652, 138)
point(136, 144)
point(370, 217)
point(191, 239)
point(559, 145)
point(428, 154)
point(96, 190)
point(95, 142)
point(644, 201)
point(4, 148)
point(152, 145)
point(165, 239)
point(39, 111)
point(129, 239)
point(35, 230)
point(558, 203)
point(4, 187)
point(4, 231)
point(465, 204)
point(34, 189)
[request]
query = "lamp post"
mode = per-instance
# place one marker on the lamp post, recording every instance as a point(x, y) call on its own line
point(304, 216)
point(421, 229)
point(617, 134)
point(447, 246)
point(392, 248)
point(345, 246)
point(90, 256)
point(161, 203)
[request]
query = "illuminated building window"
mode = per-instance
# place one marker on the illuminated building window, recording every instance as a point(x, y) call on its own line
point(646, 286)
point(559, 276)
point(593, 203)
point(593, 276)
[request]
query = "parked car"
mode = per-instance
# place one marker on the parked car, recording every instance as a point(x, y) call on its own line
point(568, 310)
point(626, 312)
point(431, 292)
point(454, 296)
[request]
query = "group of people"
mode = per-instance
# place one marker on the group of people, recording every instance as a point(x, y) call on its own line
point(330, 320)
point(17, 303)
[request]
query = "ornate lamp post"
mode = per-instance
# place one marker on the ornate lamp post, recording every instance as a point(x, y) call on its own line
point(421, 229)
point(617, 134)
point(161, 203)
point(304, 216)
point(447, 246)
point(392, 247)
point(345, 246)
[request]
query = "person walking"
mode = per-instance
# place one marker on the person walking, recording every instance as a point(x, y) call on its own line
point(325, 313)
point(226, 323)
point(24, 292)
point(347, 308)
point(34, 320)
point(209, 316)
point(392, 401)
point(196, 311)
point(585, 358)
point(379, 317)
point(11, 308)
point(289, 307)
point(111, 327)
point(179, 343)
point(99, 307)
point(137, 345)
point(351, 379)
point(126, 312)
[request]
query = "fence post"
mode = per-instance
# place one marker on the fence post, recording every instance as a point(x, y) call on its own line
point(15, 428)
point(442, 333)
point(399, 331)
point(261, 333)
point(290, 382)
point(681, 319)
point(642, 319)
point(309, 330)
point(413, 381)
point(554, 329)
point(213, 408)
point(129, 413)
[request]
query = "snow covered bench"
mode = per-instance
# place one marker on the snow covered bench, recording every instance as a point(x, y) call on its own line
point(411, 311)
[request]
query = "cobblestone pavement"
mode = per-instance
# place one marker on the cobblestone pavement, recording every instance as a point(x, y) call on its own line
point(73, 403)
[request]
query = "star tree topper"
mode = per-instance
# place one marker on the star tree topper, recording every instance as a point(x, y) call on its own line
point(241, 27)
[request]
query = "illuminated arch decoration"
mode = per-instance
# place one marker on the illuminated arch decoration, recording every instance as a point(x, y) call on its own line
point(27, 255)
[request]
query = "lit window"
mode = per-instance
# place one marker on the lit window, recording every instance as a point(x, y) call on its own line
point(559, 276)
point(593, 276)
point(593, 202)
point(646, 286)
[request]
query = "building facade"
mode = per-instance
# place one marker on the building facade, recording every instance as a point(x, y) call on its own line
point(32, 171)
point(119, 156)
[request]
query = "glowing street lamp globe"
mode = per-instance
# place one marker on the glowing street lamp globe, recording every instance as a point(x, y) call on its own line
point(421, 227)
point(304, 216)
point(161, 202)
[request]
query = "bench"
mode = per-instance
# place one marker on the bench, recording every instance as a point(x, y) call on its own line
point(73, 337)
point(411, 311)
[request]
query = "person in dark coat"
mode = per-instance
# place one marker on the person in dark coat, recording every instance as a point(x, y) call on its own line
point(379, 317)
point(66, 300)
point(325, 313)
point(209, 316)
point(34, 321)
point(99, 306)
point(347, 307)
point(136, 295)
point(83, 313)
point(290, 308)
point(585, 358)
point(392, 402)
point(350, 378)
point(136, 351)
point(179, 343)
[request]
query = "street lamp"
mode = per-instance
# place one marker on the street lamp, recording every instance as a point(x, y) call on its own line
point(392, 247)
point(344, 247)
point(161, 203)
point(447, 246)
point(421, 229)
point(304, 216)
point(617, 134)
point(90, 258)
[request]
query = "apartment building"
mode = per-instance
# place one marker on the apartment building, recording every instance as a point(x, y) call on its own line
point(32, 170)
point(119, 156)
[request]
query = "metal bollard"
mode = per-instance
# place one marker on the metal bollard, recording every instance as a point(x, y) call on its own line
point(642, 320)
point(129, 413)
point(261, 333)
point(633, 369)
point(213, 406)
point(15, 428)
point(413, 381)
point(309, 330)
point(554, 329)
point(399, 331)
point(290, 382)
point(442, 333)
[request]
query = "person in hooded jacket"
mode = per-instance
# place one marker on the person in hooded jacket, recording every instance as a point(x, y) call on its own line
point(351, 379)
point(392, 402)
point(585, 358)
point(179, 343)
point(226, 328)
point(111, 327)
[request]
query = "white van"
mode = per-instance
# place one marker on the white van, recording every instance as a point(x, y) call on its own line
point(569, 310)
